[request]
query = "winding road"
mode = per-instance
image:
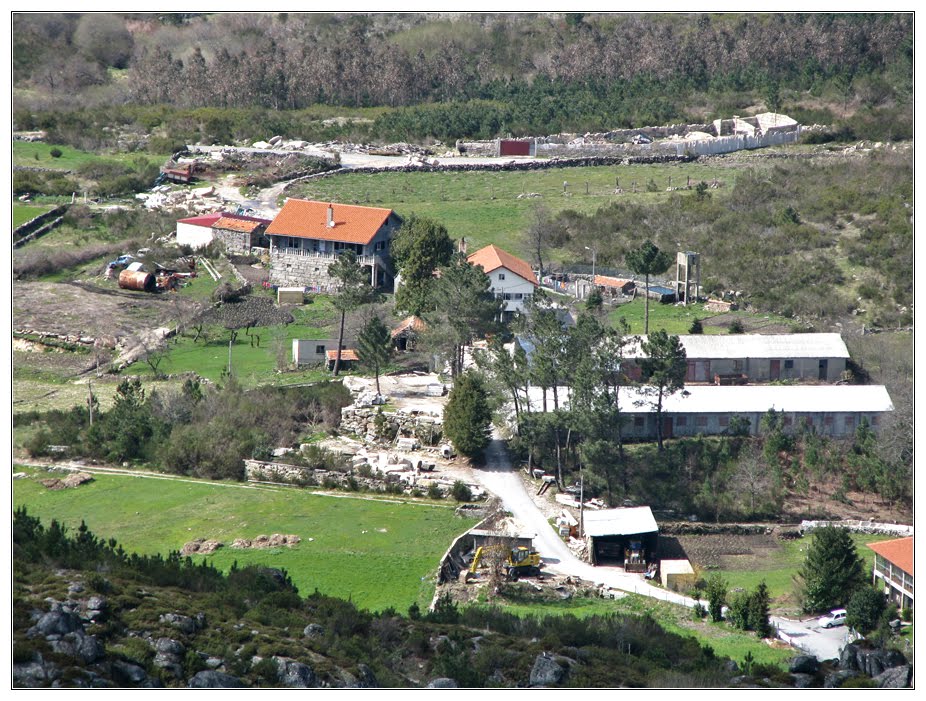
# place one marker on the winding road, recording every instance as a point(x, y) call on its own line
point(501, 479)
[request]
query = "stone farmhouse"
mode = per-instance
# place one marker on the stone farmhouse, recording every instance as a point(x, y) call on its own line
point(238, 232)
point(741, 358)
point(513, 280)
point(307, 236)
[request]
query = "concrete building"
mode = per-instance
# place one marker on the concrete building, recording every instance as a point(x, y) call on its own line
point(513, 280)
point(313, 351)
point(196, 232)
point(893, 569)
point(306, 237)
point(830, 410)
point(759, 357)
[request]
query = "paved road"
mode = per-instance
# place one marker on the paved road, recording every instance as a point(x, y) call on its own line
point(501, 479)
point(823, 643)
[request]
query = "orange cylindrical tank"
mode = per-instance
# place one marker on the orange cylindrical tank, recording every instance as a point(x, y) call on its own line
point(136, 280)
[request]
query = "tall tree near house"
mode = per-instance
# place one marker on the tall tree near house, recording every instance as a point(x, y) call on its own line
point(374, 346)
point(832, 571)
point(352, 290)
point(508, 371)
point(663, 370)
point(543, 328)
point(647, 260)
point(539, 235)
point(420, 247)
point(467, 416)
point(464, 309)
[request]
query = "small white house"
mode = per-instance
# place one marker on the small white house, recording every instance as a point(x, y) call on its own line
point(513, 280)
point(196, 232)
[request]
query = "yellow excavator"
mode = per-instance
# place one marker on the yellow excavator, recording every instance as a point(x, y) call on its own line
point(520, 561)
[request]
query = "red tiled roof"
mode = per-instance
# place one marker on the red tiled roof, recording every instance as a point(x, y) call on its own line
point(492, 257)
point(606, 281)
point(346, 354)
point(899, 552)
point(413, 322)
point(309, 220)
point(206, 220)
point(238, 224)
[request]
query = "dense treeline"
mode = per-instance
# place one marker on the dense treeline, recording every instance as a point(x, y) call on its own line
point(603, 651)
point(541, 73)
point(201, 431)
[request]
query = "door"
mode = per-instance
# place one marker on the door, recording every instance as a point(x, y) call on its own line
point(691, 375)
point(774, 370)
point(666, 427)
point(823, 369)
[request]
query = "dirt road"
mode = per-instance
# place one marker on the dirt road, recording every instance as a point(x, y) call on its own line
point(501, 479)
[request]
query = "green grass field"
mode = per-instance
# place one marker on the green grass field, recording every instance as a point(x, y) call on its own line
point(483, 206)
point(678, 319)
point(253, 365)
point(38, 154)
point(25, 212)
point(377, 552)
point(778, 572)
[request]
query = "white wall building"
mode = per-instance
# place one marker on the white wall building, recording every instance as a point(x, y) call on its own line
point(513, 280)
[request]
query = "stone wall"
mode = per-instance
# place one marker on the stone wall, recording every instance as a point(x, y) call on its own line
point(361, 421)
point(238, 242)
point(301, 271)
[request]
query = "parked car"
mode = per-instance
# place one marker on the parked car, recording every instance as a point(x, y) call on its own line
point(836, 617)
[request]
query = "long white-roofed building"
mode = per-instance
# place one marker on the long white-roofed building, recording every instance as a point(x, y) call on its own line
point(757, 357)
point(830, 410)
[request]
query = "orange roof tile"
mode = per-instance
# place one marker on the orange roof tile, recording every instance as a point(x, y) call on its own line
point(308, 219)
point(492, 257)
point(606, 281)
point(413, 322)
point(899, 552)
point(346, 354)
point(233, 224)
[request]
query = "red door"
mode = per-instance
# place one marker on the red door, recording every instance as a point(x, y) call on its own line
point(774, 370)
point(666, 426)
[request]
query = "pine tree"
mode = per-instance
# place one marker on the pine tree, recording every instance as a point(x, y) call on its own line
point(664, 370)
point(831, 572)
point(421, 247)
point(352, 290)
point(647, 260)
point(374, 346)
point(467, 415)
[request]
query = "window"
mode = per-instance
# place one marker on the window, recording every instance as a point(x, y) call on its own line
point(789, 365)
point(875, 420)
point(319, 350)
point(681, 420)
point(638, 422)
point(828, 420)
point(701, 421)
point(850, 423)
point(724, 420)
point(501, 276)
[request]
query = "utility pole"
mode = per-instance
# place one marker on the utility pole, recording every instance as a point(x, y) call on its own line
point(581, 504)
point(229, 355)
point(90, 402)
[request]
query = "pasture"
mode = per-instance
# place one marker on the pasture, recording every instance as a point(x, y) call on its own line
point(378, 552)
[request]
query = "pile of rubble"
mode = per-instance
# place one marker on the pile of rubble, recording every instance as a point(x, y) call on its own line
point(200, 546)
point(362, 421)
point(199, 200)
point(264, 541)
point(68, 482)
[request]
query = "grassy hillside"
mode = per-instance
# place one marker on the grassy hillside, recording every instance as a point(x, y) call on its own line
point(377, 552)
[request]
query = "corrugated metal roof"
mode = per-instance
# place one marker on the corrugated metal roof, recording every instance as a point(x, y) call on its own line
point(206, 220)
point(637, 519)
point(235, 224)
point(605, 281)
point(492, 257)
point(707, 399)
point(752, 345)
point(898, 552)
point(308, 219)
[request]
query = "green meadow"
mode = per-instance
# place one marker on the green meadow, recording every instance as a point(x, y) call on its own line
point(378, 552)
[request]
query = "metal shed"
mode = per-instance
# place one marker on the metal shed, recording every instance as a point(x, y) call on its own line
point(627, 537)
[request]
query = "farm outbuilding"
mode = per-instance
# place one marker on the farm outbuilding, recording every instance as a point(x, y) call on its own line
point(614, 286)
point(405, 335)
point(196, 232)
point(290, 295)
point(627, 537)
point(517, 147)
point(760, 357)
point(676, 574)
point(349, 358)
point(313, 351)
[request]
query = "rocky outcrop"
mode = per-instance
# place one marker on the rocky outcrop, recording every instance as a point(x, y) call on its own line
point(169, 656)
point(210, 679)
point(361, 421)
point(443, 683)
point(804, 664)
point(293, 674)
point(869, 661)
point(546, 671)
point(895, 678)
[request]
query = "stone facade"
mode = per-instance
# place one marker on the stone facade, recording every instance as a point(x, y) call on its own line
point(361, 421)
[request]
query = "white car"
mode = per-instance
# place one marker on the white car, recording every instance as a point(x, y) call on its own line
point(836, 617)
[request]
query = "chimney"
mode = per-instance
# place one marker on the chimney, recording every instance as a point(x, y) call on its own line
point(330, 216)
point(463, 245)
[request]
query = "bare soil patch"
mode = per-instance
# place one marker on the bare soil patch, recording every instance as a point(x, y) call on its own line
point(85, 309)
point(723, 551)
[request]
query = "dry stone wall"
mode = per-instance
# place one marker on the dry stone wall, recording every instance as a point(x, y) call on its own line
point(361, 421)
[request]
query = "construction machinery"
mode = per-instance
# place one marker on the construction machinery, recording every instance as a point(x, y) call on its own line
point(519, 561)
